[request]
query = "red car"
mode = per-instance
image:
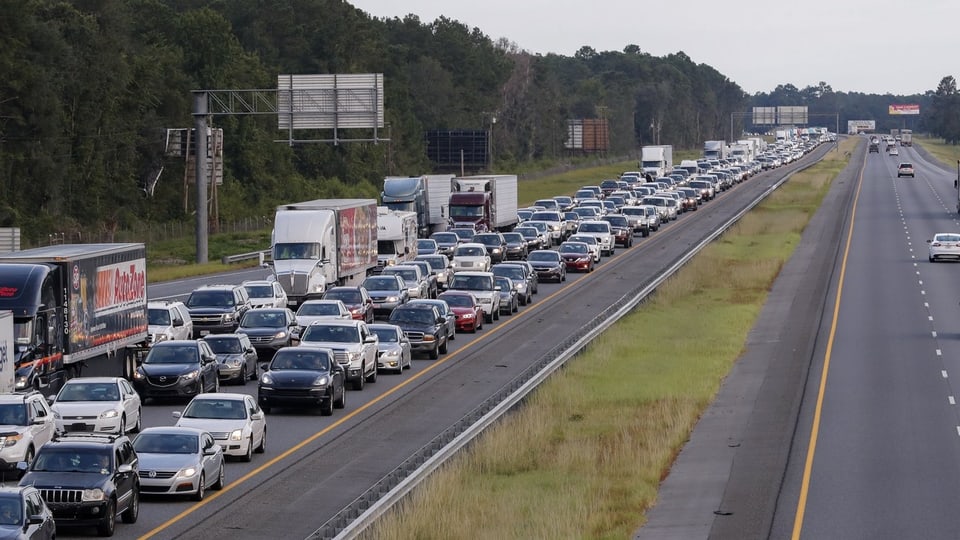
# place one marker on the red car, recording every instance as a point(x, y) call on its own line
point(464, 305)
point(357, 300)
point(576, 256)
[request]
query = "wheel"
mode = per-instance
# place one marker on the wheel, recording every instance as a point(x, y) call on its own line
point(358, 383)
point(262, 447)
point(645, 233)
point(932, 259)
point(496, 314)
point(109, 522)
point(342, 402)
point(249, 455)
point(326, 406)
point(443, 348)
point(265, 408)
point(256, 371)
point(488, 318)
point(133, 511)
point(199, 493)
point(373, 376)
point(123, 424)
point(435, 353)
point(516, 307)
point(139, 425)
point(218, 485)
point(216, 384)
point(243, 375)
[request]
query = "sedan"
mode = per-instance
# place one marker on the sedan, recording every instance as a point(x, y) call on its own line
point(321, 310)
point(97, 404)
point(303, 376)
point(516, 246)
point(944, 246)
point(592, 244)
point(387, 292)
point(357, 300)
point(178, 461)
point(427, 246)
point(237, 359)
point(468, 311)
point(548, 265)
point(393, 352)
point(235, 421)
point(509, 303)
point(576, 256)
point(446, 241)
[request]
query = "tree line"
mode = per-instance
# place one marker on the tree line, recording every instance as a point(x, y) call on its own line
point(90, 86)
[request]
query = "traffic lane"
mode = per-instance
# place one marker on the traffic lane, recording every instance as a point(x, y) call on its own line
point(180, 289)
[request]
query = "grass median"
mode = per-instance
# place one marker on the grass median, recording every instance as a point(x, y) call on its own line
point(585, 454)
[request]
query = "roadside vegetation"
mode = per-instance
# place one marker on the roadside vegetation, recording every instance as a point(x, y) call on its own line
point(947, 153)
point(584, 456)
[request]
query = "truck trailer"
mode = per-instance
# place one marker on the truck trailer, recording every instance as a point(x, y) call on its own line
point(715, 150)
point(487, 203)
point(657, 161)
point(8, 348)
point(396, 237)
point(427, 196)
point(323, 243)
point(77, 309)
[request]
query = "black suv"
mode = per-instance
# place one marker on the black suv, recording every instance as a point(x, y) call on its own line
point(495, 244)
point(217, 309)
point(87, 480)
point(177, 369)
point(424, 326)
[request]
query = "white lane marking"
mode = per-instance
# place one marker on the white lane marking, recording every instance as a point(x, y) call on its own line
point(929, 317)
point(939, 352)
point(951, 400)
point(934, 333)
point(926, 305)
point(958, 430)
point(943, 373)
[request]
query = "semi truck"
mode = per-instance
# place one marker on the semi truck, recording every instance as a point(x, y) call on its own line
point(906, 137)
point(323, 243)
point(427, 196)
point(715, 150)
point(396, 237)
point(7, 349)
point(487, 203)
point(77, 309)
point(657, 161)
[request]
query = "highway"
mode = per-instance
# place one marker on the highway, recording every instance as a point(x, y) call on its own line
point(314, 465)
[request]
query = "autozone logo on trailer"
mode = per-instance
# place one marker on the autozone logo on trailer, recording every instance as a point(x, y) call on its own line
point(120, 286)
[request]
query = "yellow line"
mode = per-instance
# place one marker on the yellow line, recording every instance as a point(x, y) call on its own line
point(815, 429)
point(434, 365)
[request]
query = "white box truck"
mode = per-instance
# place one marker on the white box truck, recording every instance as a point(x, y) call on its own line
point(657, 161)
point(715, 150)
point(396, 237)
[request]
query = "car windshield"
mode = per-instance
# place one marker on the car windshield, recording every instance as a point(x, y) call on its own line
point(301, 359)
point(504, 283)
point(947, 238)
point(319, 333)
point(543, 256)
point(158, 317)
point(409, 276)
point(381, 284)
point(171, 354)
point(445, 238)
point(617, 220)
point(216, 409)
point(106, 391)
point(13, 414)
point(436, 263)
point(464, 234)
point(11, 511)
point(210, 299)
point(470, 251)
point(347, 297)
point(471, 283)
point(508, 271)
point(319, 309)
point(425, 243)
point(589, 240)
point(166, 443)
point(513, 238)
point(224, 345)
point(85, 460)
point(594, 227)
point(573, 248)
point(263, 319)
point(386, 335)
point(413, 316)
point(259, 291)
point(457, 300)
point(487, 239)
point(527, 232)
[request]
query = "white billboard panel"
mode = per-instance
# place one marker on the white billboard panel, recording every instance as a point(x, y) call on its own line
point(337, 101)
point(764, 116)
point(857, 126)
point(791, 116)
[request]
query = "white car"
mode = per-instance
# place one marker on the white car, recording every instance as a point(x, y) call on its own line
point(167, 321)
point(97, 404)
point(235, 421)
point(944, 246)
point(27, 423)
point(471, 256)
point(178, 461)
point(483, 287)
point(265, 293)
point(592, 243)
point(312, 311)
point(601, 231)
point(354, 346)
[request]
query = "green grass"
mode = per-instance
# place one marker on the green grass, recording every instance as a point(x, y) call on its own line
point(584, 457)
point(946, 153)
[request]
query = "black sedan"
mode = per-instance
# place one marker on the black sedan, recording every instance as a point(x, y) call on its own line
point(303, 376)
point(548, 264)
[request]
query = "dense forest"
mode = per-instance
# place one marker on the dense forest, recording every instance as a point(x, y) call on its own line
point(89, 87)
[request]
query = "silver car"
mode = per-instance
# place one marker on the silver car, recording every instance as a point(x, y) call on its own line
point(394, 352)
point(178, 461)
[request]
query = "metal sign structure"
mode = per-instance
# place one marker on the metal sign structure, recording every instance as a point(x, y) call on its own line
point(330, 102)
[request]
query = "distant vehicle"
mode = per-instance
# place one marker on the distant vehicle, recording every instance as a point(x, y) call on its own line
point(482, 286)
point(269, 330)
point(548, 264)
point(321, 310)
point(471, 256)
point(425, 327)
point(303, 377)
point(97, 404)
point(446, 241)
point(182, 368)
point(265, 293)
point(944, 246)
point(905, 169)
point(394, 352)
point(235, 421)
point(465, 306)
point(353, 345)
point(387, 292)
point(217, 309)
point(357, 300)
point(237, 360)
point(427, 246)
point(577, 256)
point(874, 147)
point(168, 320)
point(893, 151)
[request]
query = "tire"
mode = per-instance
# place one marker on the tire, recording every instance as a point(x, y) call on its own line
point(443, 349)
point(932, 259)
point(326, 407)
point(262, 447)
point(108, 524)
point(496, 314)
point(201, 489)
point(358, 384)
point(435, 353)
point(488, 318)
point(248, 457)
point(123, 424)
point(139, 425)
point(216, 384)
point(218, 485)
point(342, 402)
point(265, 408)
point(242, 379)
point(132, 512)
point(373, 376)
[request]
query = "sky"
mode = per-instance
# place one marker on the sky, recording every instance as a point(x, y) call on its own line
point(898, 47)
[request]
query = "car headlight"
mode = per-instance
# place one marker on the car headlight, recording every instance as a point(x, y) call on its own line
point(468, 316)
point(112, 413)
point(320, 381)
point(56, 414)
point(93, 495)
point(393, 353)
point(189, 472)
point(161, 337)
point(236, 362)
point(21, 383)
point(393, 299)
point(266, 378)
point(353, 356)
point(236, 435)
point(190, 376)
point(12, 440)
point(495, 250)
point(280, 335)
point(138, 374)
point(229, 317)
point(319, 287)
point(429, 337)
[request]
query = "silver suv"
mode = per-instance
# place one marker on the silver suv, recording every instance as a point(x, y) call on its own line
point(28, 423)
point(354, 346)
point(168, 321)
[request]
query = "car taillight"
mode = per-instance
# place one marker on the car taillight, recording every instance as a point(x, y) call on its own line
point(935, 244)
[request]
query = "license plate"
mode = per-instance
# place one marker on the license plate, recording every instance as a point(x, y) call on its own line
point(204, 332)
point(79, 426)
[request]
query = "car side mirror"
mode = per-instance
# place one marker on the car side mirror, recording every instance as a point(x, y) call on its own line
point(257, 416)
point(251, 350)
point(51, 399)
point(177, 414)
point(441, 320)
point(370, 339)
point(212, 450)
point(35, 520)
point(929, 241)
point(125, 469)
point(178, 323)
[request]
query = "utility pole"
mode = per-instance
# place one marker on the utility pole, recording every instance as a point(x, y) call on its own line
point(200, 123)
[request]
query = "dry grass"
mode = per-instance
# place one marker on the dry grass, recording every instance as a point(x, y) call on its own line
point(585, 455)
point(946, 153)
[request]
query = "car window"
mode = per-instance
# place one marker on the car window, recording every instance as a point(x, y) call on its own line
point(89, 392)
point(216, 409)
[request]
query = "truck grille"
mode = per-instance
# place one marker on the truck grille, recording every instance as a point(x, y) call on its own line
point(341, 357)
point(294, 284)
point(414, 336)
point(206, 319)
point(55, 496)
point(220, 435)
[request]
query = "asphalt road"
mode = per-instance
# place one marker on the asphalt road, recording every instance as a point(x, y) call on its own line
point(314, 465)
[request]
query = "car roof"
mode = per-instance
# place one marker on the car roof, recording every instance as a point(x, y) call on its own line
point(172, 430)
point(92, 380)
point(337, 322)
point(221, 395)
point(473, 273)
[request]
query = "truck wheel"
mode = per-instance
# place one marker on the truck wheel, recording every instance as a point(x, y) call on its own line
point(435, 353)
point(358, 383)
point(373, 376)
point(108, 524)
point(443, 348)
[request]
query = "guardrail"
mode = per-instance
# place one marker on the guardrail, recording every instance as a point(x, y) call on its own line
point(259, 255)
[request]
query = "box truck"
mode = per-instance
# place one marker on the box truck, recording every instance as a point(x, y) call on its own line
point(657, 161)
point(396, 237)
point(427, 195)
point(77, 309)
point(715, 150)
point(323, 243)
point(487, 203)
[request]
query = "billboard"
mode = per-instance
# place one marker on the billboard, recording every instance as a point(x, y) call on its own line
point(334, 101)
point(789, 116)
point(588, 135)
point(857, 126)
point(764, 116)
point(904, 109)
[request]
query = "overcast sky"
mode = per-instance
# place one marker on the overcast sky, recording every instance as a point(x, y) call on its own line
point(898, 47)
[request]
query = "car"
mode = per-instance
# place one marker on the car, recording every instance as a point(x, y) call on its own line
point(548, 264)
point(433, 286)
point(547, 204)
point(178, 461)
point(426, 329)
point(303, 377)
point(23, 514)
point(471, 256)
point(905, 169)
point(621, 229)
point(495, 244)
point(235, 421)
point(509, 299)
point(571, 220)
point(446, 241)
point(28, 424)
point(532, 236)
point(88, 479)
point(521, 277)
point(265, 293)
point(269, 330)
point(565, 202)
point(602, 231)
point(217, 309)
point(466, 308)
point(177, 369)
point(516, 249)
point(414, 278)
point(237, 359)
point(445, 312)
point(322, 310)
point(576, 256)
point(353, 345)
point(393, 350)
point(636, 218)
point(357, 300)
point(440, 268)
point(427, 246)
point(168, 320)
point(592, 243)
point(691, 198)
point(97, 405)
point(482, 286)
point(893, 151)
point(465, 234)
point(666, 207)
point(944, 246)
point(555, 225)
point(387, 291)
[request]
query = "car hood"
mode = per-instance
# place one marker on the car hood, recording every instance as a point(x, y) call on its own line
point(210, 310)
point(212, 424)
point(295, 377)
point(390, 346)
point(334, 345)
point(159, 329)
point(66, 480)
point(574, 256)
point(170, 370)
point(223, 358)
point(305, 320)
point(464, 310)
point(262, 302)
point(84, 408)
point(415, 327)
point(260, 330)
point(544, 264)
point(383, 294)
point(166, 462)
